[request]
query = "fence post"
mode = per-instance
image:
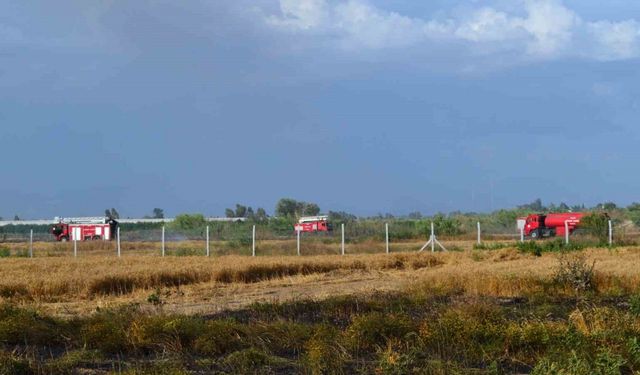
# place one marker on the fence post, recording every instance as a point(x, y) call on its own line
point(118, 238)
point(610, 233)
point(298, 241)
point(253, 242)
point(208, 252)
point(479, 234)
point(75, 247)
point(433, 236)
point(386, 236)
point(566, 231)
point(521, 234)
point(342, 246)
point(163, 240)
point(31, 244)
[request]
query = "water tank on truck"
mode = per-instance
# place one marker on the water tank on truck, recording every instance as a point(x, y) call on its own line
point(552, 224)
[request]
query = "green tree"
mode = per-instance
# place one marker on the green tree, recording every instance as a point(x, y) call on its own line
point(261, 214)
point(229, 213)
point(189, 221)
point(241, 211)
point(158, 213)
point(607, 206)
point(597, 224)
point(536, 206)
point(634, 213)
point(445, 225)
point(339, 217)
point(310, 209)
point(112, 213)
point(286, 207)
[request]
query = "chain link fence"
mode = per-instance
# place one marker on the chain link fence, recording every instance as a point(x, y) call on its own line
point(238, 239)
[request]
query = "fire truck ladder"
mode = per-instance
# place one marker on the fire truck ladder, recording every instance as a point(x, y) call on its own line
point(84, 220)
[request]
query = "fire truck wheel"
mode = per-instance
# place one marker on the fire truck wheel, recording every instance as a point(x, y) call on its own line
point(534, 234)
point(96, 238)
point(64, 239)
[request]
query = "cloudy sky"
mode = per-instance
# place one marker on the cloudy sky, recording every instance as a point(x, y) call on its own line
point(368, 106)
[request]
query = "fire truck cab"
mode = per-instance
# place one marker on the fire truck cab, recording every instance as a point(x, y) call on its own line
point(84, 228)
point(313, 224)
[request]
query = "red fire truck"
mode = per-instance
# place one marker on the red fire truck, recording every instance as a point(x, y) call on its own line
point(550, 225)
point(84, 228)
point(313, 224)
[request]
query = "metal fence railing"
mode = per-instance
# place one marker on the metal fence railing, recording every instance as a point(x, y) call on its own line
point(249, 239)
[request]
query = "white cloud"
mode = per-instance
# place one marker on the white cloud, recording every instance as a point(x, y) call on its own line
point(551, 25)
point(541, 29)
point(489, 25)
point(615, 40)
point(301, 14)
point(370, 27)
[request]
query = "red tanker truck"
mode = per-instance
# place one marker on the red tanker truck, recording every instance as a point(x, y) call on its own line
point(550, 225)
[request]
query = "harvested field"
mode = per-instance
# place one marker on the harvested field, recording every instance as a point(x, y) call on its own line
point(477, 311)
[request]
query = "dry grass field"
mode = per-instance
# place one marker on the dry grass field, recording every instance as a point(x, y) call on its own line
point(506, 312)
point(98, 280)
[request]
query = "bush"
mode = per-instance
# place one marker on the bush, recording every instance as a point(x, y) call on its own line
point(9, 364)
point(5, 252)
point(597, 224)
point(170, 334)
point(107, 330)
point(444, 225)
point(26, 327)
point(220, 337)
point(539, 247)
point(491, 246)
point(189, 222)
point(575, 272)
point(325, 353)
point(251, 361)
point(371, 331)
point(70, 361)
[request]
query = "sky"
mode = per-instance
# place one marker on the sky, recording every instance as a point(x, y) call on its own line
point(365, 106)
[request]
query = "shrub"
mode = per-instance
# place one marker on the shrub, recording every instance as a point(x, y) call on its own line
point(491, 246)
point(172, 334)
point(372, 330)
point(324, 351)
point(281, 338)
point(219, 337)
point(26, 327)
point(539, 247)
point(5, 252)
point(107, 330)
point(189, 222)
point(251, 361)
point(569, 365)
point(575, 272)
point(10, 364)
point(70, 361)
point(597, 224)
point(154, 298)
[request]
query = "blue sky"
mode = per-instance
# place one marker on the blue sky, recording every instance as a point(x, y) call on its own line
point(364, 106)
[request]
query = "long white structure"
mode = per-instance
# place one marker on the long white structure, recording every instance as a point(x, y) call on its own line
point(121, 221)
